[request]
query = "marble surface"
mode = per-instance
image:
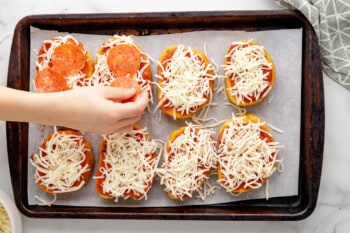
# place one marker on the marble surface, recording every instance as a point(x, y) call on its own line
point(332, 213)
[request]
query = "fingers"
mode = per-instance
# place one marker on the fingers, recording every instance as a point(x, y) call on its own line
point(118, 94)
point(106, 116)
point(130, 113)
point(143, 99)
point(134, 109)
point(126, 122)
point(122, 126)
point(125, 129)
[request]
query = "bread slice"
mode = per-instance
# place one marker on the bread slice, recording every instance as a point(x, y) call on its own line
point(190, 156)
point(64, 162)
point(247, 154)
point(127, 163)
point(250, 73)
point(186, 81)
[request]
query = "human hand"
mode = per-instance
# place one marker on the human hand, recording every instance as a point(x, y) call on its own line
point(91, 109)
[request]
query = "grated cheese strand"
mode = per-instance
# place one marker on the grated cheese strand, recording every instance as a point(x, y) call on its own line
point(43, 202)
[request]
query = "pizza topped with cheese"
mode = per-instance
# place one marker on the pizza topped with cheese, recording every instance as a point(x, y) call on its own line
point(247, 154)
point(189, 158)
point(63, 163)
point(127, 165)
point(59, 59)
point(186, 81)
point(120, 57)
point(249, 71)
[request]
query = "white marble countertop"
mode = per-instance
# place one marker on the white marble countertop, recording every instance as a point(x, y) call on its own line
point(332, 213)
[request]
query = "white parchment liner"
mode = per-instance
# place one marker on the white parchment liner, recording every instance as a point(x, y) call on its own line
point(281, 109)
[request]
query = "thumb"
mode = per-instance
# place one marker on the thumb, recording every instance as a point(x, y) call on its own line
point(118, 94)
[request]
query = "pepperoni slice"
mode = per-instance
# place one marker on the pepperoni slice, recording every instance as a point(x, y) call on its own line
point(123, 60)
point(49, 80)
point(68, 59)
point(126, 82)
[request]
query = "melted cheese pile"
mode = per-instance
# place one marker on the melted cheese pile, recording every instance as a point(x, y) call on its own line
point(5, 223)
point(60, 164)
point(186, 82)
point(73, 81)
point(192, 155)
point(103, 76)
point(244, 158)
point(247, 67)
point(128, 165)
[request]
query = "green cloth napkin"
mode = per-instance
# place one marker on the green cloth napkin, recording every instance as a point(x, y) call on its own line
point(331, 21)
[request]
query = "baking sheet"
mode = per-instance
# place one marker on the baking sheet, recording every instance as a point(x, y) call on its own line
point(281, 109)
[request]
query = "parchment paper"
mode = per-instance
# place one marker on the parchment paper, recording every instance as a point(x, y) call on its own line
point(282, 109)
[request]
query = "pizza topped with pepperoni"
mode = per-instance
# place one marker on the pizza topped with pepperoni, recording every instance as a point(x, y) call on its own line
point(62, 58)
point(120, 57)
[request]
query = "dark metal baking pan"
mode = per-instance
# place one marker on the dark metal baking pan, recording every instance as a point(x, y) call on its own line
point(312, 110)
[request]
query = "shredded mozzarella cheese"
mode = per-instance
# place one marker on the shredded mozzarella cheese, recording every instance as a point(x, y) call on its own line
point(245, 158)
point(59, 163)
point(185, 81)
point(247, 66)
point(129, 164)
point(186, 166)
point(206, 190)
